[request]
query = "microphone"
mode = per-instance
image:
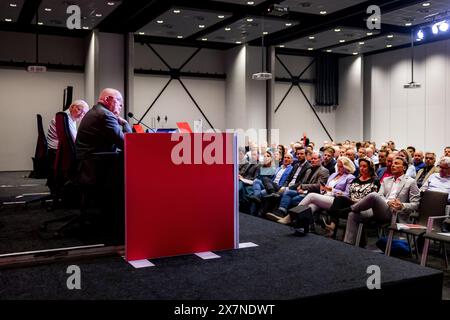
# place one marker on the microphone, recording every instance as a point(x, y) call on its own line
point(131, 115)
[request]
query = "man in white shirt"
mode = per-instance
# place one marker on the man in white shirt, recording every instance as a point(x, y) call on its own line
point(439, 181)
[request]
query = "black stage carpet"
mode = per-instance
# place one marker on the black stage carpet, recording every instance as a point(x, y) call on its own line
point(283, 266)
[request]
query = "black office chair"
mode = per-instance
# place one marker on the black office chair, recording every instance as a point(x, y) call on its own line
point(40, 155)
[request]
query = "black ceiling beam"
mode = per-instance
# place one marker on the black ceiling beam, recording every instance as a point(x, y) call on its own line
point(46, 30)
point(341, 17)
point(132, 15)
point(238, 12)
point(28, 11)
point(183, 42)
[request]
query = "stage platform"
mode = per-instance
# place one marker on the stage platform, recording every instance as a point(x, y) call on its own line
point(281, 267)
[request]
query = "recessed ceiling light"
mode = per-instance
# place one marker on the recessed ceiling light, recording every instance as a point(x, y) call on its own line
point(369, 33)
point(408, 24)
point(180, 37)
point(342, 41)
point(361, 43)
point(48, 9)
point(201, 26)
point(40, 23)
point(8, 20)
point(111, 3)
point(176, 11)
point(141, 33)
point(160, 21)
point(250, 3)
point(86, 28)
point(204, 39)
point(390, 36)
point(337, 30)
point(288, 24)
point(238, 42)
point(13, 5)
point(249, 20)
point(323, 12)
point(221, 17)
point(329, 50)
point(426, 4)
point(281, 45)
point(98, 15)
point(227, 29)
point(355, 53)
point(389, 46)
point(374, 19)
point(265, 32)
point(311, 38)
point(310, 49)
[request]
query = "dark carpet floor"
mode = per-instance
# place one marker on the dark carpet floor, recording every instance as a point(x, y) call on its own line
point(268, 269)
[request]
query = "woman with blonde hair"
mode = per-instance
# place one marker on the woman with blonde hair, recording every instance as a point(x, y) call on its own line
point(337, 185)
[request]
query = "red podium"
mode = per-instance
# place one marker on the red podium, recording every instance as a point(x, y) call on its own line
point(180, 194)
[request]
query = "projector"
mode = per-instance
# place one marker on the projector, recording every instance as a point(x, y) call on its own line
point(37, 69)
point(262, 76)
point(411, 85)
point(277, 10)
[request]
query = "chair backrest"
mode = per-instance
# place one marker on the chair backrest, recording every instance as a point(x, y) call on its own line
point(65, 161)
point(432, 203)
point(41, 145)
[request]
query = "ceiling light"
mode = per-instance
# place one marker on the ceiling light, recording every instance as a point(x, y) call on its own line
point(220, 17)
point(238, 42)
point(323, 12)
point(48, 9)
point(204, 39)
point(311, 38)
point(310, 49)
point(176, 11)
point(201, 26)
point(420, 35)
point(87, 28)
point(342, 41)
point(369, 33)
point(288, 24)
point(40, 23)
point(265, 33)
point(435, 29)
point(281, 46)
point(329, 50)
point(390, 36)
point(141, 33)
point(111, 3)
point(443, 26)
point(160, 21)
point(408, 24)
point(337, 30)
point(389, 46)
point(355, 53)
point(13, 5)
point(180, 37)
point(8, 20)
point(250, 3)
point(426, 4)
point(249, 20)
point(361, 43)
point(227, 29)
point(98, 15)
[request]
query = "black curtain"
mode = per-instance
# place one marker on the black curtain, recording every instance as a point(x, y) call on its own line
point(327, 81)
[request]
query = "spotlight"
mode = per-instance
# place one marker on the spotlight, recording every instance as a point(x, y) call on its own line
point(420, 35)
point(435, 29)
point(443, 26)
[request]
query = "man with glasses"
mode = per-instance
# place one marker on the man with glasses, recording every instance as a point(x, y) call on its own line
point(424, 174)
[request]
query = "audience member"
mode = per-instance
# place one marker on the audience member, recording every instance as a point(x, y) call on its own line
point(424, 174)
point(440, 181)
point(418, 160)
point(328, 160)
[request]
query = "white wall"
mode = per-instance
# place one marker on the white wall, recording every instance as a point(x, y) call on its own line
point(349, 113)
point(23, 96)
point(295, 116)
point(416, 117)
point(174, 102)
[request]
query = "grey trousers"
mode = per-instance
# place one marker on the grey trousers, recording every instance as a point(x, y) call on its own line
point(373, 206)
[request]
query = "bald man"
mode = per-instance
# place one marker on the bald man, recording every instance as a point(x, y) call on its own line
point(102, 129)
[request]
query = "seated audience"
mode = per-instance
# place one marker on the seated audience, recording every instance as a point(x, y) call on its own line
point(338, 185)
point(328, 161)
point(429, 168)
point(418, 160)
point(439, 181)
point(350, 153)
point(397, 193)
point(447, 152)
point(382, 155)
point(411, 172)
